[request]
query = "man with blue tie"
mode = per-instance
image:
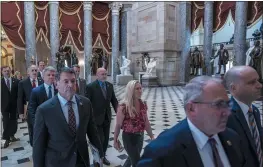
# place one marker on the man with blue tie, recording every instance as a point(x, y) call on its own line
point(202, 139)
point(62, 126)
point(244, 86)
point(41, 94)
point(101, 95)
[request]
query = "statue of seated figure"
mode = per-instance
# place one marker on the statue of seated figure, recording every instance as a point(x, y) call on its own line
point(150, 71)
point(125, 69)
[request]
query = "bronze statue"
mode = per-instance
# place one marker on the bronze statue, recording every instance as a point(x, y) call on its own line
point(105, 62)
point(75, 59)
point(60, 59)
point(196, 61)
point(256, 58)
point(223, 58)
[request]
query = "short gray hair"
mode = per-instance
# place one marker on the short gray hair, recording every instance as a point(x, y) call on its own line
point(233, 75)
point(49, 68)
point(193, 91)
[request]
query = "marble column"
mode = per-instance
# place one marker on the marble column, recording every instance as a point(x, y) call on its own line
point(54, 31)
point(115, 7)
point(240, 46)
point(185, 32)
point(87, 39)
point(30, 36)
point(124, 27)
point(208, 35)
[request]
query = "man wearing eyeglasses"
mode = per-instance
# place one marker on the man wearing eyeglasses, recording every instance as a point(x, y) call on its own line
point(243, 84)
point(202, 139)
point(25, 87)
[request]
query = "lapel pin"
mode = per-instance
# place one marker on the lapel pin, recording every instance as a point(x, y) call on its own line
point(229, 143)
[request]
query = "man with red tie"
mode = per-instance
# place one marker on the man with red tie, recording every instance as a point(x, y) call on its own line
point(24, 91)
point(81, 83)
point(9, 86)
point(244, 86)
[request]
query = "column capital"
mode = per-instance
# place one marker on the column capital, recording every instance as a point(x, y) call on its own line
point(186, 2)
point(53, 2)
point(209, 2)
point(126, 7)
point(115, 7)
point(87, 5)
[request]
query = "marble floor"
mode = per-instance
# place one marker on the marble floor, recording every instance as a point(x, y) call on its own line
point(165, 110)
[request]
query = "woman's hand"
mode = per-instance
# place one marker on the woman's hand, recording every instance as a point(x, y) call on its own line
point(152, 137)
point(116, 144)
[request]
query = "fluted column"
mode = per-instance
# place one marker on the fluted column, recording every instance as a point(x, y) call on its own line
point(30, 36)
point(87, 39)
point(208, 35)
point(115, 7)
point(185, 32)
point(240, 32)
point(54, 31)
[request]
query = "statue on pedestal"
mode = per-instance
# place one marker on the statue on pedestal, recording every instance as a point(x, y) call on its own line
point(251, 47)
point(125, 69)
point(151, 70)
point(60, 59)
point(196, 61)
point(256, 58)
point(223, 58)
point(105, 62)
point(75, 60)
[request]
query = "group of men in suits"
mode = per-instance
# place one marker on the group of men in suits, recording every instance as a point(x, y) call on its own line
point(218, 131)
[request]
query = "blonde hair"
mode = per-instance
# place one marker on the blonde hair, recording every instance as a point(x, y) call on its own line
point(128, 99)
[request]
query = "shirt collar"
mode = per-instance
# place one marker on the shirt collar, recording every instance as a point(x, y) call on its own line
point(47, 86)
point(31, 79)
point(200, 138)
point(7, 78)
point(63, 101)
point(243, 106)
point(100, 82)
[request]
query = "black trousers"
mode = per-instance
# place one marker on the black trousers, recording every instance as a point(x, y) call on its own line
point(9, 124)
point(104, 133)
point(80, 162)
point(133, 143)
point(30, 132)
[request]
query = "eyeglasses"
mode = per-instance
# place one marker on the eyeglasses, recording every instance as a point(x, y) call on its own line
point(221, 104)
point(34, 70)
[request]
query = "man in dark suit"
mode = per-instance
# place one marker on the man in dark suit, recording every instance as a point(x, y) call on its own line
point(200, 140)
point(81, 83)
point(101, 94)
point(243, 84)
point(9, 86)
point(24, 91)
point(41, 94)
point(61, 126)
point(41, 66)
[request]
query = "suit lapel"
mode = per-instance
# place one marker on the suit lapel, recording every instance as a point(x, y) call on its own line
point(229, 150)
point(29, 83)
point(80, 110)
point(4, 85)
point(99, 89)
point(190, 153)
point(241, 118)
point(59, 112)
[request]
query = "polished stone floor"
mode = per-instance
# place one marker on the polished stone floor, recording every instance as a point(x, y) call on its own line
point(165, 110)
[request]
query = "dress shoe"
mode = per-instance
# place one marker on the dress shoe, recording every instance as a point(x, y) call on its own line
point(106, 162)
point(6, 144)
point(13, 139)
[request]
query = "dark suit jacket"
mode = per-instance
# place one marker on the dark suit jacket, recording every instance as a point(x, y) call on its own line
point(176, 147)
point(101, 106)
point(24, 92)
point(237, 122)
point(82, 87)
point(54, 144)
point(39, 74)
point(38, 96)
point(9, 98)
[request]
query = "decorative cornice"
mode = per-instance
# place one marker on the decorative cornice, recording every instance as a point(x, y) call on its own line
point(53, 2)
point(87, 5)
point(115, 7)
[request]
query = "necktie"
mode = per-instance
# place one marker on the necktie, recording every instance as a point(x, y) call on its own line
point(8, 84)
point(255, 135)
point(71, 118)
point(33, 83)
point(77, 87)
point(216, 157)
point(49, 92)
point(103, 88)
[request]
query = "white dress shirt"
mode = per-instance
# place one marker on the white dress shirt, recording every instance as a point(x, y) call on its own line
point(64, 106)
point(47, 89)
point(36, 82)
point(10, 82)
point(205, 149)
point(245, 109)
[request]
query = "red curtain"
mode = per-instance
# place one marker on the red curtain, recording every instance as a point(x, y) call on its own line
point(12, 21)
point(197, 14)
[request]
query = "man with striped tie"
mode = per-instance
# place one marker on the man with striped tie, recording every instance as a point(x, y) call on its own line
point(41, 94)
point(243, 84)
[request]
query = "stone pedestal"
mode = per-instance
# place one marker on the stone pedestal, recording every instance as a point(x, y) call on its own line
point(150, 81)
point(123, 79)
